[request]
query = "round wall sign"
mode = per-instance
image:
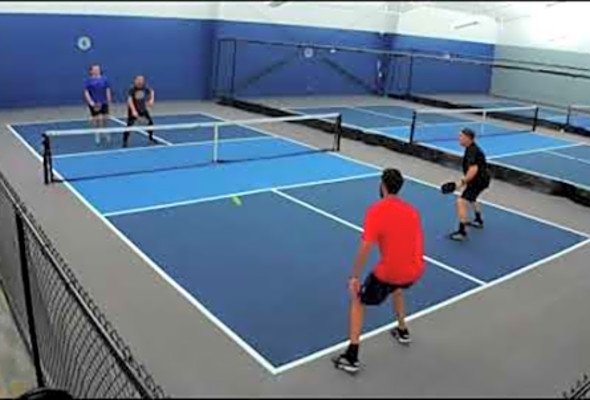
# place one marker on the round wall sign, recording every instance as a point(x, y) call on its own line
point(84, 43)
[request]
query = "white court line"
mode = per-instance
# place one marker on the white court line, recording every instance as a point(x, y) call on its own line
point(429, 310)
point(244, 193)
point(380, 114)
point(581, 160)
point(359, 229)
point(269, 367)
point(49, 121)
point(541, 149)
point(212, 318)
point(136, 149)
point(143, 132)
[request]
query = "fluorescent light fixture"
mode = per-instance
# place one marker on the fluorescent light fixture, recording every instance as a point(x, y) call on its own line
point(466, 24)
point(276, 3)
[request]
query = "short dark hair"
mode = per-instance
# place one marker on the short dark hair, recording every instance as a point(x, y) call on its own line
point(468, 132)
point(393, 180)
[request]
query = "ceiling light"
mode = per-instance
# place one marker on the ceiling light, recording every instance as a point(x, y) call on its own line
point(467, 24)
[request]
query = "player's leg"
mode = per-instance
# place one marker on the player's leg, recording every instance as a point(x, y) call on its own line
point(478, 220)
point(476, 205)
point(348, 361)
point(150, 121)
point(94, 122)
point(461, 233)
point(373, 292)
point(401, 332)
point(130, 122)
point(103, 119)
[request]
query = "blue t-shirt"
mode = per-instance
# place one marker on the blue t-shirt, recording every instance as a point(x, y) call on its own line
point(97, 87)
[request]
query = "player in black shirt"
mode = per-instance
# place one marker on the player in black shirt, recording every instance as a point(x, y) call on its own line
point(140, 97)
point(476, 179)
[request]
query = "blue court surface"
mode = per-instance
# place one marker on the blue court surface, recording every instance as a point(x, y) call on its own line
point(535, 153)
point(272, 270)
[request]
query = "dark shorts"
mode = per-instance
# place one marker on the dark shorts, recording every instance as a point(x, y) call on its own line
point(103, 110)
point(374, 292)
point(473, 191)
point(140, 114)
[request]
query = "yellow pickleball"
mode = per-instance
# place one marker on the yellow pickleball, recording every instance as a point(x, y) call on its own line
point(236, 200)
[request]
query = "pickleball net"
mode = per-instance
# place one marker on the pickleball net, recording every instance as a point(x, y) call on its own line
point(578, 115)
point(91, 153)
point(431, 125)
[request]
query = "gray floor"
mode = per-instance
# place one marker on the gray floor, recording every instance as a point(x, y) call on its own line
point(528, 336)
point(16, 370)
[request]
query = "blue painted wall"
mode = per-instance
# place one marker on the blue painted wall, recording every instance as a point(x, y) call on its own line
point(265, 70)
point(438, 76)
point(41, 65)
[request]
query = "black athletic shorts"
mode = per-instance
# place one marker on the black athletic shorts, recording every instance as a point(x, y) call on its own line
point(374, 292)
point(103, 110)
point(473, 191)
point(140, 114)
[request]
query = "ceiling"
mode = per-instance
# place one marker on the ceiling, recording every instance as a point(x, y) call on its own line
point(504, 11)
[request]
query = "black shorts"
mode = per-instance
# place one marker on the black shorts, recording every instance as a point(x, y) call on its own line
point(374, 292)
point(473, 191)
point(140, 114)
point(103, 110)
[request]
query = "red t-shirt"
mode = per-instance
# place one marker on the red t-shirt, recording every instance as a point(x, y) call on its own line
point(396, 227)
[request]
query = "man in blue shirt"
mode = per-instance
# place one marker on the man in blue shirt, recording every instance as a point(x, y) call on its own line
point(97, 94)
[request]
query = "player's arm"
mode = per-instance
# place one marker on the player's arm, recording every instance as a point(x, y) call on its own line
point(354, 283)
point(471, 173)
point(131, 106)
point(88, 98)
point(152, 98)
point(109, 95)
point(360, 261)
point(369, 236)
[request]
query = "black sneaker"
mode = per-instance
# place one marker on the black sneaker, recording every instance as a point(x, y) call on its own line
point(402, 336)
point(342, 362)
point(476, 224)
point(458, 236)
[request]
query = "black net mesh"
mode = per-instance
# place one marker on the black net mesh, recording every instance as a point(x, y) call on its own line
point(78, 349)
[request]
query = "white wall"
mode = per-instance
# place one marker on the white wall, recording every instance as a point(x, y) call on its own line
point(370, 16)
point(438, 23)
point(565, 26)
point(364, 16)
point(167, 9)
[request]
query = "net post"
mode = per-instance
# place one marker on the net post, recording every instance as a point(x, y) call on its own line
point(413, 126)
point(568, 119)
point(47, 160)
point(337, 133)
point(215, 143)
point(535, 119)
point(483, 122)
point(24, 263)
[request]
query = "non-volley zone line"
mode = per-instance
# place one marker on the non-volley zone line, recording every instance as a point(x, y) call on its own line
point(239, 194)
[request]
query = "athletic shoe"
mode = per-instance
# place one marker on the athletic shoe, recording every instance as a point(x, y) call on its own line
point(458, 236)
point(476, 224)
point(342, 362)
point(402, 336)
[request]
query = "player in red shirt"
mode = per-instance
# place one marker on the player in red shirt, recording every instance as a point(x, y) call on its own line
point(395, 227)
